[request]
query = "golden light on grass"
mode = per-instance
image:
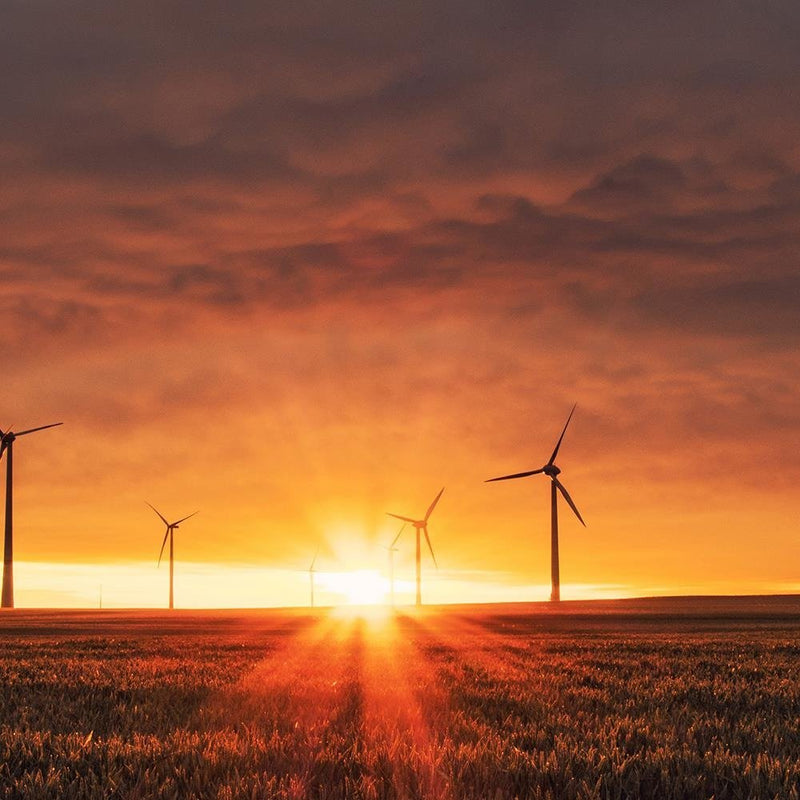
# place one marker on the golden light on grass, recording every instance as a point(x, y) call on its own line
point(441, 704)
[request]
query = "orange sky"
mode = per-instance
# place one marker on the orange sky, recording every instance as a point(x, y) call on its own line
point(296, 269)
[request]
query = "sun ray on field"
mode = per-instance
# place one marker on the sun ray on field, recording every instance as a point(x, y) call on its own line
point(304, 693)
point(309, 657)
point(401, 698)
point(375, 698)
point(484, 642)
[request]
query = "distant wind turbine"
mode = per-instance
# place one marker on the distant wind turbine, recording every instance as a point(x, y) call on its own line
point(6, 446)
point(171, 527)
point(552, 471)
point(311, 572)
point(392, 550)
point(421, 525)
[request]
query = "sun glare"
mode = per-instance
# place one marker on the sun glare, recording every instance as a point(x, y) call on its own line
point(363, 587)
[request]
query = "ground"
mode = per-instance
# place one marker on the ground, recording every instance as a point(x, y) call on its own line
point(669, 698)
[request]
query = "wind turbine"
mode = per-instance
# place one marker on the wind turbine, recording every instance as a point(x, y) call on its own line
point(392, 550)
point(6, 446)
point(420, 525)
point(171, 527)
point(311, 572)
point(552, 471)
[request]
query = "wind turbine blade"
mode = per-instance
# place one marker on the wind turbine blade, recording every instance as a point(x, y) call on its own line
point(515, 475)
point(394, 541)
point(433, 505)
point(405, 519)
point(313, 561)
point(163, 544)
point(159, 513)
point(558, 443)
point(185, 518)
point(2, 447)
point(572, 505)
point(428, 540)
point(40, 428)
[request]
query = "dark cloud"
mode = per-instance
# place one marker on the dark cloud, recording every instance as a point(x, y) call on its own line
point(614, 171)
point(638, 184)
point(752, 309)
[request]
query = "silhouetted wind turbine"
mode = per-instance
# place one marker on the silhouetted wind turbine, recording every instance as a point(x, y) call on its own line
point(6, 446)
point(392, 550)
point(311, 572)
point(420, 525)
point(171, 527)
point(552, 471)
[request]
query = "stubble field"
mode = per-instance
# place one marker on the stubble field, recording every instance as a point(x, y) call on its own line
point(633, 699)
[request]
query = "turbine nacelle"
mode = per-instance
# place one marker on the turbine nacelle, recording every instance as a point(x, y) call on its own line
point(421, 526)
point(171, 526)
point(8, 437)
point(551, 470)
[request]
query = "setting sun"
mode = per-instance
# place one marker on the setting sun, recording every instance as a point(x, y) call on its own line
point(362, 587)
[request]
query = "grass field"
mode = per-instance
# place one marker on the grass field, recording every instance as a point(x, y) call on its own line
point(691, 698)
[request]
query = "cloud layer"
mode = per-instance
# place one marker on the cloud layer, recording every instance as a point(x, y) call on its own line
point(355, 255)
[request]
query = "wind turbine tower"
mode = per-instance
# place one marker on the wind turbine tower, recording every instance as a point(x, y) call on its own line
point(392, 550)
point(6, 446)
point(421, 526)
point(169, 534)
point(552, 471)
point(311, 572)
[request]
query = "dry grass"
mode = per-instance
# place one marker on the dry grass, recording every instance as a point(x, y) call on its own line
point(442, 705)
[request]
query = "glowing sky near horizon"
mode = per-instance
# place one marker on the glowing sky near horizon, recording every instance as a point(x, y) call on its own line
point(296, 268)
